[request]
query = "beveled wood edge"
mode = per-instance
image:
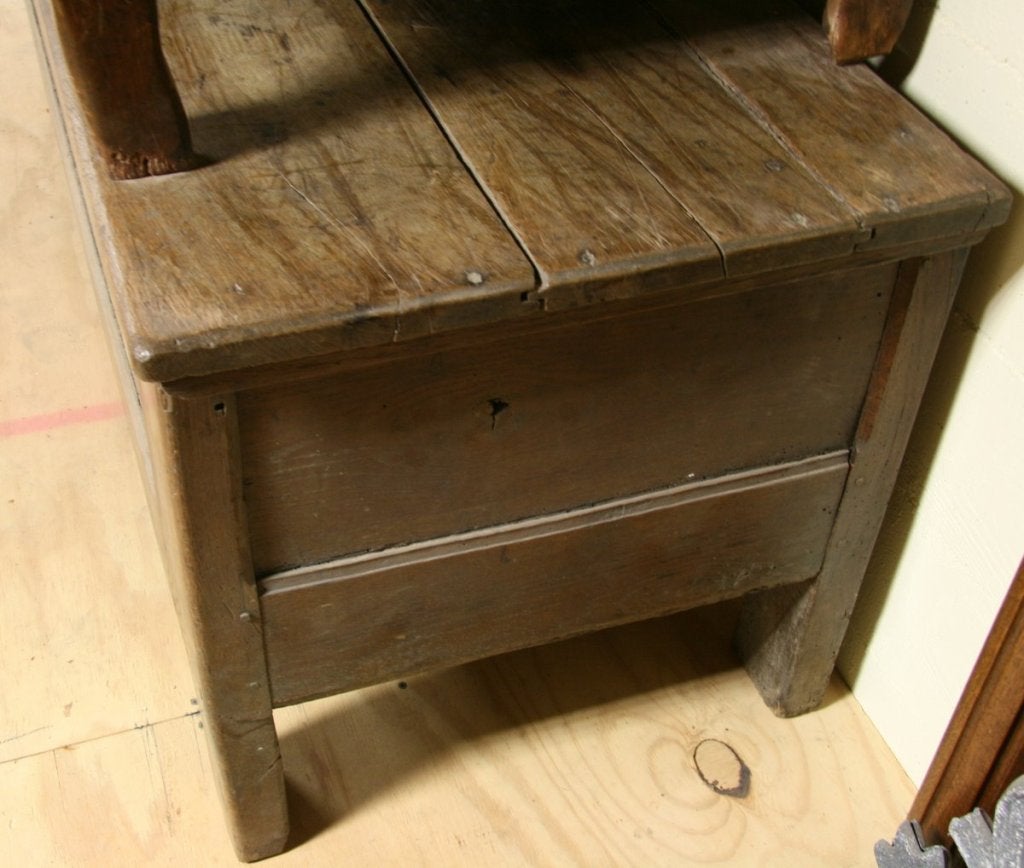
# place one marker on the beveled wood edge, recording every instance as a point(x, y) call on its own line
point(546, 525)
point(550, 311)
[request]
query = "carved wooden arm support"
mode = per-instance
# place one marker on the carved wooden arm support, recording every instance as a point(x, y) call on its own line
point(113, 51)
point(858, 29)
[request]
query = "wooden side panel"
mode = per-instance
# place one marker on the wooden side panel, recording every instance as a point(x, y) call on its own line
point(374, 618)
point(461, 439)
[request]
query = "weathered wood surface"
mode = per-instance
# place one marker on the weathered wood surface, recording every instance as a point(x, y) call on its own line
point(342, 216)
point(409, 610)
point(532, 424)
point(103, 765)
point(859, 29)
point(789, 638)
point(570, 115)
point(140, 125)
point(611, 147)
point(215, 595)
point(337, 217)
point(901, 176)
point(129, 97)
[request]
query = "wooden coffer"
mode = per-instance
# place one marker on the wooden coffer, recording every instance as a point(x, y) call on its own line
point(488, 324)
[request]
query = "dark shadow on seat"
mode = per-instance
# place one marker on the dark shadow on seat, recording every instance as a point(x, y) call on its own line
point(459, 38)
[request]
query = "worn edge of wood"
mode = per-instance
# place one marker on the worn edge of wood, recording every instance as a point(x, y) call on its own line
point(170, 512)
point(789, 642)
point(588, 302)
point(215, 596)
point(859, 29)
point(981, 728)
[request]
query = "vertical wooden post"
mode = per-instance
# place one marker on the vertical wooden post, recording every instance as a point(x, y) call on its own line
point(113, 51)
point(858, 29)
point(214, 591)
point(790, 638)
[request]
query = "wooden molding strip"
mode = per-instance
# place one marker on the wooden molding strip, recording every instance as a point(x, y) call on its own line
point(983, 748)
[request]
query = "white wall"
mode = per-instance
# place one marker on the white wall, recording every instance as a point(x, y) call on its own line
point(954, 534)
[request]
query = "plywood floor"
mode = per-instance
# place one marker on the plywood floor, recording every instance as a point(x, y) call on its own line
point(576, 754)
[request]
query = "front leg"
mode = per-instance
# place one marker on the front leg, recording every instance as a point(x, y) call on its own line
point(113, 50)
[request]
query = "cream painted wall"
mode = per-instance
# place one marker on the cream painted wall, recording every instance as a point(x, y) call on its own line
point(954, 534)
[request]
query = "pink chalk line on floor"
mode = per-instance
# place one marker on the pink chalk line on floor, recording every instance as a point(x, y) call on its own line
point(61, 419)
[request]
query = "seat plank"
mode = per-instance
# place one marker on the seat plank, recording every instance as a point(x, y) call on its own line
point(334, 213)
point(902, 176)
point(602, 138)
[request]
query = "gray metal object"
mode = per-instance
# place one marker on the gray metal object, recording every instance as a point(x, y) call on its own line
point(908, 850)
point(984, 844)
point(980, 842)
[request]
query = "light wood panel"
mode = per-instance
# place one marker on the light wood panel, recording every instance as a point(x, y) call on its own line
point(575, 754)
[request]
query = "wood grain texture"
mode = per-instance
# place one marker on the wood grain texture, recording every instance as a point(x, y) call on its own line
point(572, 116)
point(859, 29)
point(363, 621)
point(982, 751)
point(576, 753)
point(439, 443)
point(790, 639)
point(587, 302)
point(875, 151)
point(214, 591)
point(325, 240)
point(342, 216)
point(128, 95)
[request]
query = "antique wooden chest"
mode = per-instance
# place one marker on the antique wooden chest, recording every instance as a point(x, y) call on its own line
point(487, 324)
